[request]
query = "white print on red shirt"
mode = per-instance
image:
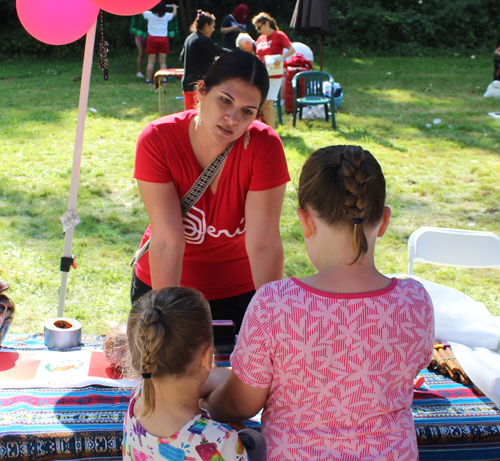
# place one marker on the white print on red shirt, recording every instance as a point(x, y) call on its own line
point(195, 227)
point(264, 45)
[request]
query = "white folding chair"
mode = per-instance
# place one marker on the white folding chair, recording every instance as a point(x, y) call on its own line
point(453, 247)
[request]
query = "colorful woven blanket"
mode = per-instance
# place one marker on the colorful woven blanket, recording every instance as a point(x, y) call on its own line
point(86, 423)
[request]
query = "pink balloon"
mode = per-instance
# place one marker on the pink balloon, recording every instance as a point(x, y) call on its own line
point(57, 22)
point(125, 7)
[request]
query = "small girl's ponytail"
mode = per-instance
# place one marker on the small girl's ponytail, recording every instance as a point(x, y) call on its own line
point(161, 338)
point(152, 334)
point(344, 185)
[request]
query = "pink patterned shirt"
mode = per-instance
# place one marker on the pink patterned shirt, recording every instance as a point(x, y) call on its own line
point(340, 368)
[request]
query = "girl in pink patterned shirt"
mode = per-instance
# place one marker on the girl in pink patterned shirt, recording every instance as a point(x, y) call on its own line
point(332, 357)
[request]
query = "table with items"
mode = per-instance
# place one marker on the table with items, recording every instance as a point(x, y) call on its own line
point(161, 78)
point(453, 420)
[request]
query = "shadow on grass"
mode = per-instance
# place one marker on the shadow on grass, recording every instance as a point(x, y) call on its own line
point(296, 142)
point(371, 86)
point(362, 134)
point(33, 216)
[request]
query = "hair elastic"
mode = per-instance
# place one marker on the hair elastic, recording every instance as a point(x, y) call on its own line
point(357, 220)
point(146, 375)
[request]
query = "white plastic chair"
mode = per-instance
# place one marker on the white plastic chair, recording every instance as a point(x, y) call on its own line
point(453, 247)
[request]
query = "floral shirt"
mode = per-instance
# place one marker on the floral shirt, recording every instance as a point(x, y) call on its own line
point(201, 439)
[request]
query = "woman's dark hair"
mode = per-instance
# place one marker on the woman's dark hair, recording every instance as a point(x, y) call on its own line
point(159, 9)
point(202, 18)
point(344, 185)
point(262, 18)
point(166, 329)
point(238, 65)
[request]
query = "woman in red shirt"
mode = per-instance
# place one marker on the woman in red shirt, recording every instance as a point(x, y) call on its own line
point(271, 42)
point(228, 244)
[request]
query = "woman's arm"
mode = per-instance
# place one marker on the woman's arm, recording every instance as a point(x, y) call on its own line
point(262, 236)
point(497, 52)
point(226, 30)
point(290, 50)
point(235, 400)
point(167, 232)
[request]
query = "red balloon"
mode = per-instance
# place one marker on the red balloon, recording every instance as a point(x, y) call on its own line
point(57, 22)
point(125, 7)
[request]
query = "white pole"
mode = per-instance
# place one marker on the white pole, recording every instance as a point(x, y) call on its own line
point(77, 157)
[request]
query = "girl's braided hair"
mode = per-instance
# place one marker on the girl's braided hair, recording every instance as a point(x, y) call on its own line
point(344, 185)
point(166, 330)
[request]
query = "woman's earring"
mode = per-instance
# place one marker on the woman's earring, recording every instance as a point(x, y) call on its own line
point(246, 139)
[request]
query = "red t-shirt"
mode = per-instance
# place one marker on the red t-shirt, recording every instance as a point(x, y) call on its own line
point(271, 44)
point(215, 259)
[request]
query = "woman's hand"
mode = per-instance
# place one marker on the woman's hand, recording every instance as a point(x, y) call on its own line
point(167, 232)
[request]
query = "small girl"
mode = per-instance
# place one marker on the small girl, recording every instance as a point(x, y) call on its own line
point(171, 345)
point(332, 357)
point(157, 43)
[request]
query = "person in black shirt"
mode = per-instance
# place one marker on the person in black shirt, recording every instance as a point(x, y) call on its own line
point(238, 21)
point(198, 54)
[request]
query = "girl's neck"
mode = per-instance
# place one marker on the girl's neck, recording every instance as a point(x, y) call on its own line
point(331, 252)
point(345, 279)
point(176, 403)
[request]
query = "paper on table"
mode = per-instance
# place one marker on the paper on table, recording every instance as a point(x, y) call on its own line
point(483, 368)
point(22, 369)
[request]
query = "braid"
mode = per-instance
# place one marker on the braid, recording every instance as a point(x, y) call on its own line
point(344, 184)
point(160, 330)
point(357, 175)
point(152, 333)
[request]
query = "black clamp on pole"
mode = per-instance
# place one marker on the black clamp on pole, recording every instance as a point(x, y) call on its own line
point(67, 262)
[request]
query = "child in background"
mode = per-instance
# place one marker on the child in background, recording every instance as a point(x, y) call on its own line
point(332, 357)
point(171, 345)
point(139, 28)
point(157, 43)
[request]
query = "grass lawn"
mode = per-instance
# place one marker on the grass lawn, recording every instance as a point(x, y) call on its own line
point(444, 174)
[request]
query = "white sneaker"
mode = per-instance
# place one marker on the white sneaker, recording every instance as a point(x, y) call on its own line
point(139, 74)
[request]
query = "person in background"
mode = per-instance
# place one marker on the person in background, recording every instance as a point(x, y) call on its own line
point(238, 21)
point(271, 42)
point(198, 54)
point(229, 242)
point(139, 28)
point(164, 419)
point(157, 43)
point(245, 43)
point(332, 357)
point(496, 62)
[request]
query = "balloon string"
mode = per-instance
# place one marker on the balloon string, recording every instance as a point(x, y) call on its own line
point(102, 62)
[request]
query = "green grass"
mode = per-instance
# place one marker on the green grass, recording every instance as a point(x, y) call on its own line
point(439, 175)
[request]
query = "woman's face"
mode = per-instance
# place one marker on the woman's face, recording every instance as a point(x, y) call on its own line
point(264, 28)
point(208, 29)
point(227, 109)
